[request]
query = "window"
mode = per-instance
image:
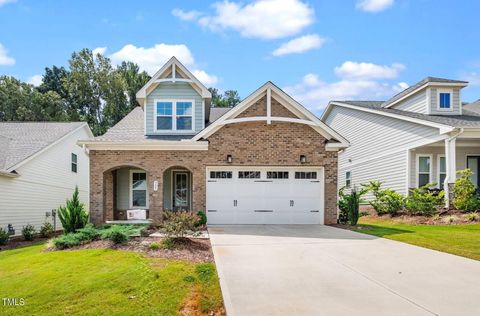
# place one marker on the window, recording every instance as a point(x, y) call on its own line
point(305, 175)
point(348, 179)
point(139, 189)
point(424, 169)
point(249, 174)
point(444, 101)
point(174, 115)
point(220, 174)
point(74, 163)
point(277, 174)
point(442, 171)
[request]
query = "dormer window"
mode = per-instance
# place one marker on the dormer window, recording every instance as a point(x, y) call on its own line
point(444, 100)
point(176, 115)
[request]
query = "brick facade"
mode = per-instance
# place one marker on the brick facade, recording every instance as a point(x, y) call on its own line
point(252, 143)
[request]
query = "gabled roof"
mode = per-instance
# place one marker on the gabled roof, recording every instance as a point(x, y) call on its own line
point(168, 73)
point(20, 141)
point(421, 85)
point(472, 107)
point(269, 89)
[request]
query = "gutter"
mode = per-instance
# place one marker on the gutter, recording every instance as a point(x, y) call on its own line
point(447, 178)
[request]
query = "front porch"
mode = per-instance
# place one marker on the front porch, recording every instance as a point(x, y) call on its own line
point(439, 162)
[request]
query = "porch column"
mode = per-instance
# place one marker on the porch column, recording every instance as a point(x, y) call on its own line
point(451, 169)
point(108, 196)
point(155, 208)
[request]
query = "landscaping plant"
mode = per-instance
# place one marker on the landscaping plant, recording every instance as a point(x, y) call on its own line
point(73, 215)
point(472, 217)
point(4, 236)
point(422, 201)
point(464, 195)
point(178, 224)
point(118, 234)
point(349, 205)
point(28, 232)
point(46, 231)
point(386, 201)
point(202, 218)
point(155, 245)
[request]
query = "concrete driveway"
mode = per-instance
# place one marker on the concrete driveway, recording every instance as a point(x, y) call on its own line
point(321, 270)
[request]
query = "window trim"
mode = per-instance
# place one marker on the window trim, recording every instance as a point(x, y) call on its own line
point(348, 178)
point(449, 91)
point(278, 171)
point(174, 115)
point(130, 189)
point(246, 170)
point(438, 169)
point(417, 169)
point(72, 163)
point(306, 171)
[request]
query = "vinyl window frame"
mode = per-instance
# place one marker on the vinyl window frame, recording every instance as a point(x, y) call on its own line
point(441, 91)
point(348, 179)
point(417, 168)
point(174, 115)
point(74, 163)
point(439, 171)
point(130, 189)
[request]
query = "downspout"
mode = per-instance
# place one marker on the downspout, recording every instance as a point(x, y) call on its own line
point(446, 188)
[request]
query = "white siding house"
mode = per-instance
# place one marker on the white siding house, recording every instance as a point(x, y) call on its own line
point(41, 164)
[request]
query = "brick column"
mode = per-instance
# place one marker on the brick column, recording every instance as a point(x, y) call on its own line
point(96, 197)
point(155, 198)
point(198, 190)
point(108, 196)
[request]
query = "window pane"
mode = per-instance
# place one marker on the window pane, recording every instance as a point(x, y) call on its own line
point(74, 158)
point(220, 174)
point(442, 180)
point(445, 100)
point(184, 123)
point(249, 174)
point(424, 164)
point(184, 108)
point(472, 164)
point(164, 122)
point(442, 165)
point(139, 181)
point(164, 108)
point(423, 179)
point(74, 167)
point(277, 174)
point(139, 198)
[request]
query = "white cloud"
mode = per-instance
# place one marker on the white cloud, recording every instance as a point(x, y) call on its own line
point(362, 70)
point(374, 6)
point(99, 50)
point(265, 19)
point(35, 80)
point(186, 15)
point(299, 45)
point(4, 2)
point(5, 60)
point(473, 78)
point(151, 59)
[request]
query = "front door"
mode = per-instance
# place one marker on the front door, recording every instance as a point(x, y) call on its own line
point(473, 163)
point(181, 191)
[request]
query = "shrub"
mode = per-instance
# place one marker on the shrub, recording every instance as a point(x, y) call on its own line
point(46, 231)
point(422, 201)
point(168, 243)
point(73, 215)
point(67, 241)
point(88, 233)
point(450, 219)
point(472, 217)
point(349, 205)
point(117, 233)
point(464, 197)
point(28, 232)
point(386, 201)
point(155, 245)
point(202, 218)
point(4, 236)
point(362, 214)
point(177, 224)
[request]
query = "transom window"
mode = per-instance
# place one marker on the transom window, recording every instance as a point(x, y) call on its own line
point(305, 175)
point(348, 179)
point(220, 174)
point(249, 174)
point(277, 174)
point(139, 189)
point(74, 163)
point(424, 170)
point(442, 171)
point(174, 115)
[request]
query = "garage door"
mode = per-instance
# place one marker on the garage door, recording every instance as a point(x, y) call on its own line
point(260, 195)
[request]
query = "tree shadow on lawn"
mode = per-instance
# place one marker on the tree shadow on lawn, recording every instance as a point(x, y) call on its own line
point(380, 231)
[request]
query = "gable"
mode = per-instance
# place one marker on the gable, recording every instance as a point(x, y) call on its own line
point(259, 108)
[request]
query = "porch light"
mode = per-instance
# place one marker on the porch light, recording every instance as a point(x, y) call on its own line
point(229, 158)
point(303, 159)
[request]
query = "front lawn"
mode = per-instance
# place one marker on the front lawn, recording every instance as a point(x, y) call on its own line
point(462, 240)
point(105, 282)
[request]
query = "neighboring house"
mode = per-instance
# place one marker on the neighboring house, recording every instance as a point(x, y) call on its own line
point(40, 165)
point(421, 135)
point(267, 160)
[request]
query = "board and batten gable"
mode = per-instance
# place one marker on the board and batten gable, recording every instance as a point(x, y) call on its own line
point(173, 91)
point(45, 183)
point(416, 103)
point(378, 146)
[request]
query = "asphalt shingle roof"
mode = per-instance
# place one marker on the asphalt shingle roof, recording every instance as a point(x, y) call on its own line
point(20, 140)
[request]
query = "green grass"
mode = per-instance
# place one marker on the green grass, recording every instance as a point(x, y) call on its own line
point(461, 240)
point(104, 282)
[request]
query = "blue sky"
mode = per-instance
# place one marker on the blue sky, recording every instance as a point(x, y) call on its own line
point(315, 50)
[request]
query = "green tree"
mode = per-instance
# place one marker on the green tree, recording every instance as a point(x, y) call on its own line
point(135, 80)
point(230, 98)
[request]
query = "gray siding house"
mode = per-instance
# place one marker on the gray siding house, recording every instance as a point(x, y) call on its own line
point(423, 134)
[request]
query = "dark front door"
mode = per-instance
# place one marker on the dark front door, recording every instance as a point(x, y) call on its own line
point(473, 163)
point(181, 190)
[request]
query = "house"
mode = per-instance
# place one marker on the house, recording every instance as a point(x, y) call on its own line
point(40, 165)
point(423, 134)
point(267, 160)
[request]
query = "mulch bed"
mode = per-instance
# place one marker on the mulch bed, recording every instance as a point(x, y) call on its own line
point(192, 250)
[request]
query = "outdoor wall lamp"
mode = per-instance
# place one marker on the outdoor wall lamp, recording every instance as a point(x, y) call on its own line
point(229, 158)
point(303, 159)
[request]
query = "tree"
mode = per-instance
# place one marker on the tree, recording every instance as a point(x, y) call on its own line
point(53, 81)
point(230, 98)
point(134, 79)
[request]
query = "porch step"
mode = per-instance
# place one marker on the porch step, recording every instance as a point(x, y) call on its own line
point(202, 235)
point(130, 222)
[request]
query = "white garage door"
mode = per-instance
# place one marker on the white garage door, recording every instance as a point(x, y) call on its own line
point(261, 195)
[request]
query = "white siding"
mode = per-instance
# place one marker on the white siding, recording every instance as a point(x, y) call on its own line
point(416, 103)
point(45, 182)
point(378, 146)
point(455, 99)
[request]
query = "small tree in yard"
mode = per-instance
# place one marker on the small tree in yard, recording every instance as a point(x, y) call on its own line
point(422, 201)
point(464, 196)
point(349, 205)
point(386, 201)
point(178, 224)
point(73, 215)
